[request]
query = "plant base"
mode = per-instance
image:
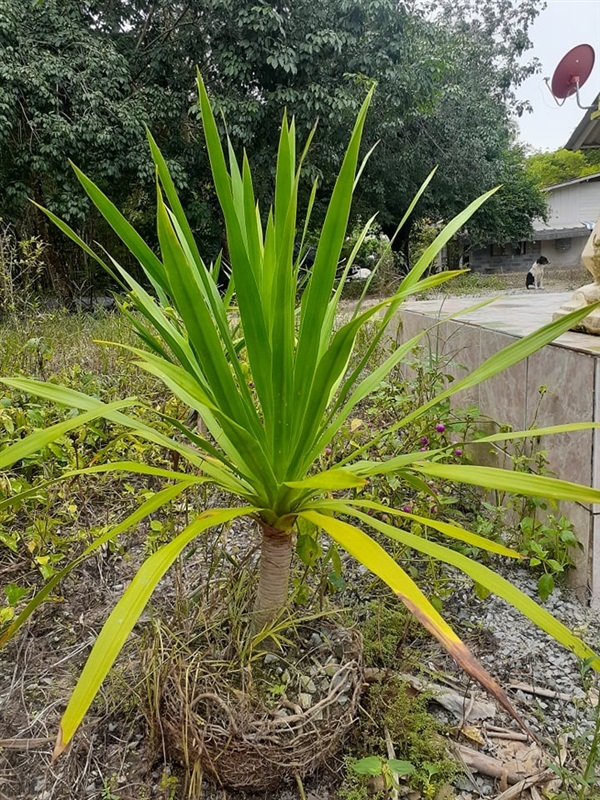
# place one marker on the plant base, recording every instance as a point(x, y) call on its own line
point(255, 727)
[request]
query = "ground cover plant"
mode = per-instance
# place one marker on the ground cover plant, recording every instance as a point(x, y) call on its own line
point(273, 384)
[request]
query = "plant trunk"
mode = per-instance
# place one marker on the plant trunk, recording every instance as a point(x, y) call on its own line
point(275, 562)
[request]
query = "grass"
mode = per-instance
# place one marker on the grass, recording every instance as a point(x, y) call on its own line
point(473, 283)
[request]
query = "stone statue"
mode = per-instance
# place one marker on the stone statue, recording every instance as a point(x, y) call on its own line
point(590, 293)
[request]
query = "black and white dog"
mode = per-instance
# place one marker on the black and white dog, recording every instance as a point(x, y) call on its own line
point(535, 276)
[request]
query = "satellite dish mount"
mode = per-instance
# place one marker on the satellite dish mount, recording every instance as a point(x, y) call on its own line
point(571, 73)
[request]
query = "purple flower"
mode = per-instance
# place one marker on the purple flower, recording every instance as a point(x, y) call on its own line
point(370, 512)
point(407, 509)
point(440, 427)
point(328, 451)
point(424, 440)
point(458, 452)
point(423, 449)
point(432, 509)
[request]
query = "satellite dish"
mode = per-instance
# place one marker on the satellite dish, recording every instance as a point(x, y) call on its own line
point(572, 72)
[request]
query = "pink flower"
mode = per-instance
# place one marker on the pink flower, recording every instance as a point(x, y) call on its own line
point(327, 451)
point(440, 427)
point(458, 452)
point(424, 440)
point(407, 509)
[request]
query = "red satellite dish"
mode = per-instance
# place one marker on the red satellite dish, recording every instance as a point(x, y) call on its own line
point(573, 71)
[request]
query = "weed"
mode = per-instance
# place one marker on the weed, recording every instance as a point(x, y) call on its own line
point(416, 736)
point(580, 778)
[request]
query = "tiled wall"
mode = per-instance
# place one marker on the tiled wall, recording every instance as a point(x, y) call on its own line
point(572, 381)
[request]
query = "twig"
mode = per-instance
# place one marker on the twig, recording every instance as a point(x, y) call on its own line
point(511, 736)
point(391, 753)
point(539, 691)
point(300, 786)
point(517, 790)
point(25, 744)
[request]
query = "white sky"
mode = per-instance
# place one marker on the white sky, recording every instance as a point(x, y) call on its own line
point(561, 26)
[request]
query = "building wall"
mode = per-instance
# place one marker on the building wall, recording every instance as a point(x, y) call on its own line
point(561, 255)
point(506, 259)
point(571, 206)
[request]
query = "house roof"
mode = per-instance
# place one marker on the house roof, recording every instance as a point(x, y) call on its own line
point(543, 234)
point(586, 135)
point(594, 176)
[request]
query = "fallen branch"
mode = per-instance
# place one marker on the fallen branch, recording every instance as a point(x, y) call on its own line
point(539, 691)
point(515, 792)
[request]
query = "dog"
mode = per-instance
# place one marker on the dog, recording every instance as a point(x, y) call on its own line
point(535, 276)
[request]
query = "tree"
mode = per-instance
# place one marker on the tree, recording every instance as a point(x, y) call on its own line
point(548, 169)
point(314, 59)
point(64, 94)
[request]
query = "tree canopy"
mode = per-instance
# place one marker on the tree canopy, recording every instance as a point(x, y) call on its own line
point(548, 169)
point(81, 78)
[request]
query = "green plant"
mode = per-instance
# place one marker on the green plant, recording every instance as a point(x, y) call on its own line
point(390, 769)
point(273, 386)
point(580, 778)
point(21, 265)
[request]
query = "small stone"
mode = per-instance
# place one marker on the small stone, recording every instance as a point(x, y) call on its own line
point(343, 699)
point(331, 668)
point(339, 681)
point(305, 700)
point(271, 658)
point(308, 684)
point(315, 641)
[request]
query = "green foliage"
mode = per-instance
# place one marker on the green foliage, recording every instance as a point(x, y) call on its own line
point(21, 265)
point(79, 81)
point(547, 169)
point(417, 738)
point(579, 774)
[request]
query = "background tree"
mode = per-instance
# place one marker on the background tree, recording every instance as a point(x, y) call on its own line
point(547, 169)
point(81, 78)
point(64, 93)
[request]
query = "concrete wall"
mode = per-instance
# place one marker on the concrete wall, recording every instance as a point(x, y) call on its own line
point(572, 379)
point(484, 260)
point(562, 256)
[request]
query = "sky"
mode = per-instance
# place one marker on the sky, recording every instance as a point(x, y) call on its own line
point(561, 26)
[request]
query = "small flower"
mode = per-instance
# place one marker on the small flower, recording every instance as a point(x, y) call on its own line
point(432, 509)
point(370, 512)
point(424, 440)
point(327, 451)
point(423, 449)
point(440, 427)
point(458, 452)
point(407, 509)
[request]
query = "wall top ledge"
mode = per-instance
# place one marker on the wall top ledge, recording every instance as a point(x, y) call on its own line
point(513, 314)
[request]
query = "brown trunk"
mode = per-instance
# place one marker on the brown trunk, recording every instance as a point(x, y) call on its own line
point(275, 561)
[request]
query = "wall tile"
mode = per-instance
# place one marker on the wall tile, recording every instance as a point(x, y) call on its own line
point(569, 378)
